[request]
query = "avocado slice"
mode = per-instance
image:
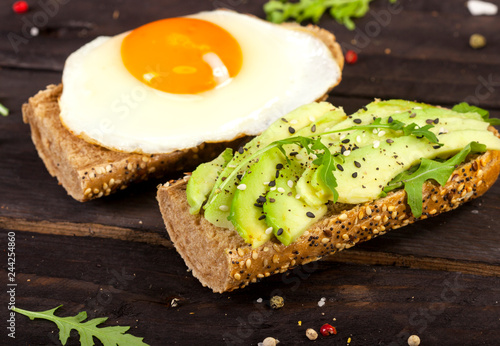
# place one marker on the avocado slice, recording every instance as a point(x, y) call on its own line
point(288, 215)
point(246, 213)
point(220, 200)
point(203, 180)
point(378, 167)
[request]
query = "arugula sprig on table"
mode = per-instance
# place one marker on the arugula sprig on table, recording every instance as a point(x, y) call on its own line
point(109, 336)
point(413, 180)
point(279, 11)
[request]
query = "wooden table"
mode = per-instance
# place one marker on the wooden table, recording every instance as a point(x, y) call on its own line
point(439, 279)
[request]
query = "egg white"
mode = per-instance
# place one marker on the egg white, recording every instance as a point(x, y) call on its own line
point(282, 69)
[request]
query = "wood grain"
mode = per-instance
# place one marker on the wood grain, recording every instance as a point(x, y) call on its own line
point(415, 280)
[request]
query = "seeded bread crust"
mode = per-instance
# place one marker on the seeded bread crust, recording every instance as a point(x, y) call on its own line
point(221, 260)
point(90, 171)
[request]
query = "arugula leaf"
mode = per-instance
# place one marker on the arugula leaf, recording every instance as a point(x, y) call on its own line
point(4, 110)
point(396, 125)
point(278, 11)
point(416, 131)
point(464, 107)
point(109, 336)
point(413, 181)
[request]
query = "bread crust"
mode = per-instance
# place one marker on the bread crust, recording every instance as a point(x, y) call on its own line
point(89, 171)
point(221, 260)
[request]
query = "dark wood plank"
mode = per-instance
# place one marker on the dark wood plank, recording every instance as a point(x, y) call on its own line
point(133, 283)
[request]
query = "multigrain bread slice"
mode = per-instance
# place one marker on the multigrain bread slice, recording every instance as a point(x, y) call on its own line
point(90, 171)
point(221, 260)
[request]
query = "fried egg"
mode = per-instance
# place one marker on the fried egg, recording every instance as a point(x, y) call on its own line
point(176, 83)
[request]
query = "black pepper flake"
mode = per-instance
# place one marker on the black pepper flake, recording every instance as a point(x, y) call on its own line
point(357, 121)
point(279, 166)
point(277, 174)
point(342, 150)
point(280, 231)
point(258, 205)
point(262, 217)
point(239, 176)
point(345, 141)
point(311, 215)
point(272, 200)
point(413, 115)
point(240, 150)
point(294, 153)
point(390, 120)
point(284, 120)
point(340, 168)
point(355, 174)
point(436, 146)
point(261, 199)
point(313, 128)
point(389, 141)
point(429, 121)
point(357, 164)
point(291, 130)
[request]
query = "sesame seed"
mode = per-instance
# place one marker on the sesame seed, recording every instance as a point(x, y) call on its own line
point(381, 133)
point(377, 218)
point(280, 189)
point(248, 263)
point(237, 276)
point(325, 240)
point(276, 259)
point(347, 153)
point(376, 144)
point(311, 215)
point(343, 217)
point(272, 188)
point(313, 128)
point(312, 119)
point(255, 255)
point(223, 208)
point(290, 183)
point(368, 211)
point(294, 121)
point(297, 196)
point(266, 183)
point(269, 231)
point(241, 253)
point(298, 157)
point(345, 236)
point(375, 131)
point(242, 187)
point(389, 141)
point(358, 139)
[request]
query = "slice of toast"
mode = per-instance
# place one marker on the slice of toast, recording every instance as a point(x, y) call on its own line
point(90, 171)
point(221, 260)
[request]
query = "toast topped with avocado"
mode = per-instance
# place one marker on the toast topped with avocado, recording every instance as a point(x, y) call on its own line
point(319, 181)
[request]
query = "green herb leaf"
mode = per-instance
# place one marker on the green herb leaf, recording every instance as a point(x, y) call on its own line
point(278, 11)
point(464, 107)
point(414, 179)
point(4, 110)
point(416, 131)
point(109, 336)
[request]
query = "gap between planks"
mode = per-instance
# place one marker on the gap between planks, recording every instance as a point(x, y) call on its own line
point(352, 256)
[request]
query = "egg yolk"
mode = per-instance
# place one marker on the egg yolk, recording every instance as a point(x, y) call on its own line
point(181, 55)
